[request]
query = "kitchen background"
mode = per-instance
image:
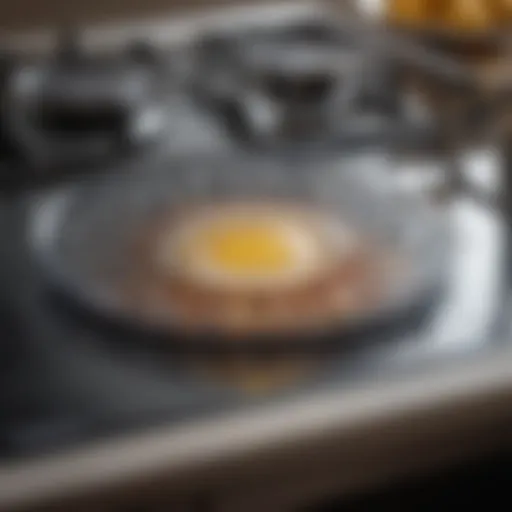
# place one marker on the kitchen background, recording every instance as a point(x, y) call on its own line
point(35, 13)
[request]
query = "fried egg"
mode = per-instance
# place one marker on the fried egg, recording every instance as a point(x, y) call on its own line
point(253, 246)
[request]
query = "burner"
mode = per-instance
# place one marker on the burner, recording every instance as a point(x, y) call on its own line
point(74, 108)
point(304, 85)
point(314, 85)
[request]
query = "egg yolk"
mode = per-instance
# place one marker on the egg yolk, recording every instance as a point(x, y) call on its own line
point(244, 247)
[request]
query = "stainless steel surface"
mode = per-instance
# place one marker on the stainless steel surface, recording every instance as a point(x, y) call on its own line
point(447, 401)
point(215, 453)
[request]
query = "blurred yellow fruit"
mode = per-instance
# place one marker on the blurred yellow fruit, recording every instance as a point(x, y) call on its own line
point(408, 12)
point(460, 15)
point(503, 10)
point(469, 15)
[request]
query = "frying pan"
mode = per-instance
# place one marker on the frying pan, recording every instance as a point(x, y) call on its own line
point(80, 235)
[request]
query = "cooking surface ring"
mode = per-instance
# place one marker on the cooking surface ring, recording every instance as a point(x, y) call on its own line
point(68, 220)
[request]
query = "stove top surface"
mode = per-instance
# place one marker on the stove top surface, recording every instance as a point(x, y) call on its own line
point(67, 382)
point(312, 83)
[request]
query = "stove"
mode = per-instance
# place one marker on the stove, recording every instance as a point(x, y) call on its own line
point(77, 106)
point(70, 386)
